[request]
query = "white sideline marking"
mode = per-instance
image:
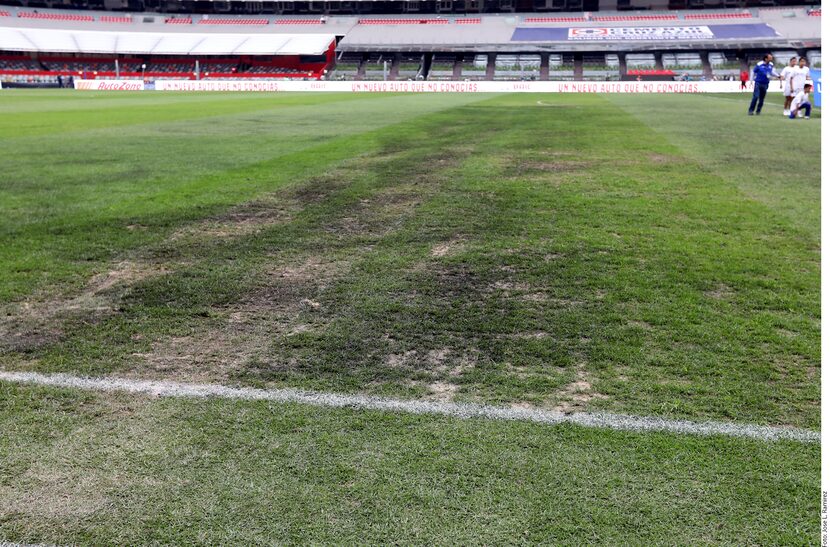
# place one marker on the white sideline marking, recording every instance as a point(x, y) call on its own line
point(620, 422)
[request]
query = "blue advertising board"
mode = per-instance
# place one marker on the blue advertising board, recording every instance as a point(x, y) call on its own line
point(815, 75)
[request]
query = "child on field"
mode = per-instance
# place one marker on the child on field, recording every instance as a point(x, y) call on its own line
point(801, 101)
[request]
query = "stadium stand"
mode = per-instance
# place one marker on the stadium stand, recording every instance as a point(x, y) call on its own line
point(627, 18)
point(561, 67)
point(517, 67)
point(473, 67)
point(715, 16)
point(232, 21)
point(409, 66)
point(443, 67)
point(374, 66)
point(403, 22)
point(348, 66)
point(506, 46)
point(74, 17)
point(554, 19)
point(298, 22)
point(115, 19)
point(599, 66)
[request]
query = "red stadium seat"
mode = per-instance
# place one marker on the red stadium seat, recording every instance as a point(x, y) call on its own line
point(230, 21)
point(115, 19)
point(814, 13)
point(403, 21)
point(617, 18)
point(56, 16)
point(5, 14)
point(178, 21)
point(298, 22)
point(467, 21)
point(554, 19)
point(718, 16)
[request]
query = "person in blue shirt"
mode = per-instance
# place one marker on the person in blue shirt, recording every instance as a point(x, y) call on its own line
point(762, 73)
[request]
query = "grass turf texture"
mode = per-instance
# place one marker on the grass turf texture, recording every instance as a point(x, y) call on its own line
point(640, 254)
point(82, 468)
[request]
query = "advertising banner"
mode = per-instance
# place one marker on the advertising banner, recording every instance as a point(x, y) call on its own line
point(815, 75)
point(643, 34)
point(449, 87)
point(109, 85)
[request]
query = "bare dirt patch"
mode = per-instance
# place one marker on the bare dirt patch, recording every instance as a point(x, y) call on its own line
point(721, 292)
point(447, 248)
point(577, 395)
point(401, 360)
point(510, 286)
point(31, 324)
point(558, 166)
point(437, 357)
point(442, 391)
point(642, 325)
point(208, 356)
point(285, 304)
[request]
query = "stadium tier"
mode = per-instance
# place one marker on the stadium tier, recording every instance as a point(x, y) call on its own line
point(588, 45)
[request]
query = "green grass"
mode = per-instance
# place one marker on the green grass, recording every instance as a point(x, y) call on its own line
point(77, 468)
point(640, 254)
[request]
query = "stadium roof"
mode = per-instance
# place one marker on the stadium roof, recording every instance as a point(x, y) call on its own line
point(600, 31)
point(161, 43)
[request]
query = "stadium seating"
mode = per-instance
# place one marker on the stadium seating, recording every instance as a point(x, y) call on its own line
point(651, 72)
point(19, 63)
point(403, 21)
point(620, 18)
point(298, 22)
point(116, 19)
point(709, 16)
point(367, 41)
point(554, 19)
point(231, 21)
point(56, 16)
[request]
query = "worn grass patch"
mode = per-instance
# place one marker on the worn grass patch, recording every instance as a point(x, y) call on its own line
point(465, 248)
point(544, 261)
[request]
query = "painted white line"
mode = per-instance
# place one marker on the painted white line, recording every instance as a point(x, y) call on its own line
point(620, 422)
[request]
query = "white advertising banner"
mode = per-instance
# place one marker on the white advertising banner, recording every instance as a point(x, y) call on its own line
point(275, 86)
point(109, 85)
point(640, 33)
point(452, 87)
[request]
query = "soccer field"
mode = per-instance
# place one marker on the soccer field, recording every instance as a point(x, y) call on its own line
point(615, 255)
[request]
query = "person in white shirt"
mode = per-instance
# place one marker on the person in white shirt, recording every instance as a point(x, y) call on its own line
point(789, 92)
point(801, 101)
point(799, 76)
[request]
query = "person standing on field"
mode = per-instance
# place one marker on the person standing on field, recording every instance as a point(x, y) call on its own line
point(789, 91)
point(799, 77)
point(762, 73)
point(744, 78)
